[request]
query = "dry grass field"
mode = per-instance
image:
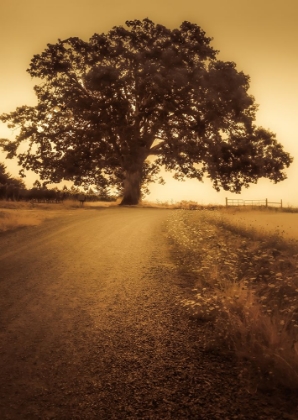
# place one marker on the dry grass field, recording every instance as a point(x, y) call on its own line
point(20, 214)
point(267, 221)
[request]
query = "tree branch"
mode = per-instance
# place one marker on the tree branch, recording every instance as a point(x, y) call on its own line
point(156, 150)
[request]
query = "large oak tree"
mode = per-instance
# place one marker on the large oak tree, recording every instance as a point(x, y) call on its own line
point(141, 90)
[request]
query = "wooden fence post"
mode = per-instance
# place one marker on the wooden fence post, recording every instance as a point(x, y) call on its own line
point(266, 202)
point(281, 204)
point(226, 202)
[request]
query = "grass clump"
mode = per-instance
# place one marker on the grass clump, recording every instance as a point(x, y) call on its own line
point(10, 219)
point(245, 288)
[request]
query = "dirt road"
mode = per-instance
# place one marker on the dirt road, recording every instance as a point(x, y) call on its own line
point(91, 327)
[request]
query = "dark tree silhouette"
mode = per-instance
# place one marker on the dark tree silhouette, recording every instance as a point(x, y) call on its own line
point(5, 177)
point(9, 187)
point(106, 105)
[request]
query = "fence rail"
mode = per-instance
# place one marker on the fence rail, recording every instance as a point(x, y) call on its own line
point(265, 202)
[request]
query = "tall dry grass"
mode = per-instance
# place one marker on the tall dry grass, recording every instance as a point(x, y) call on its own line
point(15, 214)
point(245, 290)
point(10, 219)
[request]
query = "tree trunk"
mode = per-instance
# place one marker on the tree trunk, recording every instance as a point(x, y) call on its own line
point(132, 188)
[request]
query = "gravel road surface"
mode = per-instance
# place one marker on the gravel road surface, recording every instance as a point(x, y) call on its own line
point(91, 327)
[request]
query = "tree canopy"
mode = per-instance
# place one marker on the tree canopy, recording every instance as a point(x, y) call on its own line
point(105, 106)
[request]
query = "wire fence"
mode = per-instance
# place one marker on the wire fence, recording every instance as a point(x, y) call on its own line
point(257, 203)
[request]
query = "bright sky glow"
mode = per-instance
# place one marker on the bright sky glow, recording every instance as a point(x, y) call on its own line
point(260, 36)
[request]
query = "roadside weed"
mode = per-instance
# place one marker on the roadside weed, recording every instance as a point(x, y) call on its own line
point(245, 286)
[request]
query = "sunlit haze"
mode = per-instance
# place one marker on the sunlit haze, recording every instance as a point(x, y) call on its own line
point(259, 36)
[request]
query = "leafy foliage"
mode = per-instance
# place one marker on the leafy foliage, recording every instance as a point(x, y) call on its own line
point(4, 176)
point(106, 105)
point(9, 186)
point(7, 180)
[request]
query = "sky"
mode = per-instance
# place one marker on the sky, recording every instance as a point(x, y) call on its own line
point(260, 36)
